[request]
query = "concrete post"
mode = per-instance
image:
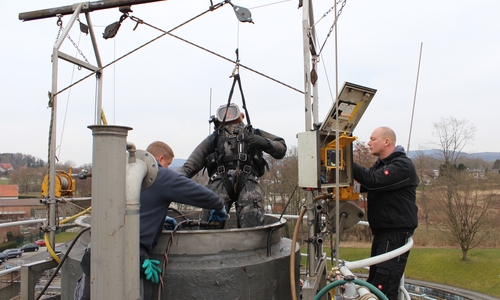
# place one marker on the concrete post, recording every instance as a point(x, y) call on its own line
point(108, 211)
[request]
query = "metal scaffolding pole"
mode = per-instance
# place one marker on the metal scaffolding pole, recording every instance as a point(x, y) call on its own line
point(317, 262)
point(86, 7)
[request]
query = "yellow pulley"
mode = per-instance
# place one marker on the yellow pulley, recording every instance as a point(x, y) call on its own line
point(65, 185)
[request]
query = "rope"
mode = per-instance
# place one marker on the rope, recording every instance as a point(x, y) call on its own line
point(333, 25)
point(234, 62)
point(142, 46)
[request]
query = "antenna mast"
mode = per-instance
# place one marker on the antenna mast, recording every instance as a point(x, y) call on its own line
point(414, 100)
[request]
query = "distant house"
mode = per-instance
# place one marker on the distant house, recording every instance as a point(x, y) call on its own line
point(5, 167)
point(10, 210)
point(496, 167)
point(16, 210)
point(9, 191)
point(476, 173)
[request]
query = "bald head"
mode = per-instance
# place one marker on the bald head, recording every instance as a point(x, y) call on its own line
point(382, 142)
point(388, 133)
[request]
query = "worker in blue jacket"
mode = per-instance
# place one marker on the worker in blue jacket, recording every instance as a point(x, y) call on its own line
point(391, 185)
point(168, 187)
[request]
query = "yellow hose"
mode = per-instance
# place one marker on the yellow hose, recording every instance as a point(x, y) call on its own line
point(103, 118)
point(292, 253)
point(46, 236)
point(49, 248)
point(75, 215)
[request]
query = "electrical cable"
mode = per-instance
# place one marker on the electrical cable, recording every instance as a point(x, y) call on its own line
point(288, 202)
point(61, 262)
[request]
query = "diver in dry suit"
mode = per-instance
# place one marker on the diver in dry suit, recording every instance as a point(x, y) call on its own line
point(233, 157)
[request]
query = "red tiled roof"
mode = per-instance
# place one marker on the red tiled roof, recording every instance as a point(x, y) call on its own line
point(6, 166)
point(9, 190)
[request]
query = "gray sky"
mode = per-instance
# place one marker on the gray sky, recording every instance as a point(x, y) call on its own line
point(163, 91)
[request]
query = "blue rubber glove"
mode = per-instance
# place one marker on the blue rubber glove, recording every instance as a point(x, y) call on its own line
point(151, 269)
point(218, 215)
point(170, 223)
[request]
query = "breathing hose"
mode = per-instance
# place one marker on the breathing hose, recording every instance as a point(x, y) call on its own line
point(336, 283)
point(292, 252)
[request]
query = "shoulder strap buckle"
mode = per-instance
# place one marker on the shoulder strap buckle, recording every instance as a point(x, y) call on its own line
point(242, 156)
point(221, 169)
point(247, 169)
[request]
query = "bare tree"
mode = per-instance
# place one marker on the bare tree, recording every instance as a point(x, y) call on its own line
point(362, 155)
point(280, 183)
point(66, 165)
point(453, 135)
point(466, 211)
point(27, 179)
point(422, 164)
point(270, 183)
point(463, 202)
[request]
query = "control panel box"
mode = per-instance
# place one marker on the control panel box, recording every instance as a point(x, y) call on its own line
point(326, 155)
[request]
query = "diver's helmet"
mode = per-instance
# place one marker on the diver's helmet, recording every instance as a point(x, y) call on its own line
point(232, 112)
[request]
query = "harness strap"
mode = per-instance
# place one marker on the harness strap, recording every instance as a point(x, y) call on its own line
point(236, 78)
point(231, 190)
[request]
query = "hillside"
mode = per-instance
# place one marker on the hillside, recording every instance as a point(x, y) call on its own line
point(176, 163)
point(487, 156)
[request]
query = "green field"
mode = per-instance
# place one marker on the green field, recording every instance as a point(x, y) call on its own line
point(480, 273)
point(64, 237)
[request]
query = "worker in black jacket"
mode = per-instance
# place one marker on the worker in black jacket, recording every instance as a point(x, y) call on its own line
point(391, 185)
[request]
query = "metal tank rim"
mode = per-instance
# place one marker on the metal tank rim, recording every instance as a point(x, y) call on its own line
point(213, 241)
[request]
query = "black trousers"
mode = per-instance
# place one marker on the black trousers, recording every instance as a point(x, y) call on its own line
point(386, 276)
point(82, 291)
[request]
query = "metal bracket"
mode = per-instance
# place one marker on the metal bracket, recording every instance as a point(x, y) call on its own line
point(84, 6)
point(152, 166)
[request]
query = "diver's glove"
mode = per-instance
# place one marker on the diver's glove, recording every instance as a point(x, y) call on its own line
point(258, 142)
point(151, 269)
point(170, 223)
point(218, 215)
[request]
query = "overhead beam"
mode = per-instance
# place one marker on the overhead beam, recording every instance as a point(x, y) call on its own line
point(87, 7)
